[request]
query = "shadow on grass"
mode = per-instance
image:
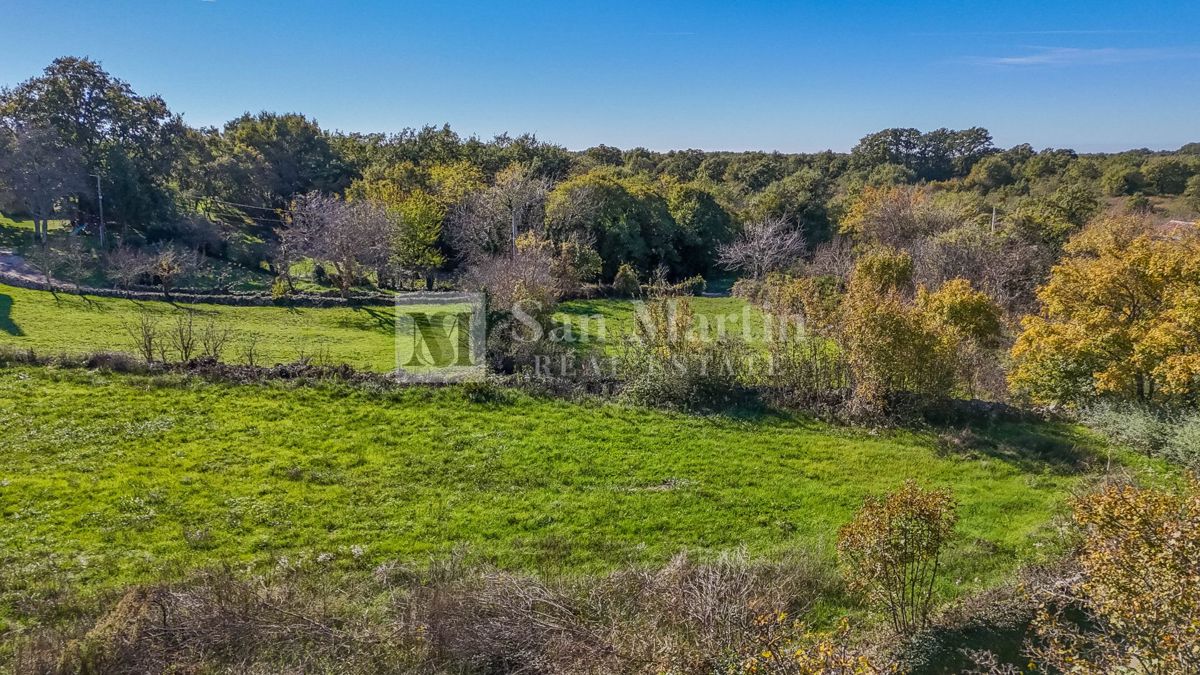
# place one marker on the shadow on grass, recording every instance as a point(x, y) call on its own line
point(6, 323)
point(1032, 447)
point(384, 320)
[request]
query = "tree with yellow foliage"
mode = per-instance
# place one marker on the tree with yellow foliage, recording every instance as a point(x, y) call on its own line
point(1120, 317)
point(1138, 587)
point(897, 344)
point(894, 216)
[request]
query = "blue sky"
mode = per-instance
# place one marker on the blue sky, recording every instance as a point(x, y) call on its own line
point(790, 76)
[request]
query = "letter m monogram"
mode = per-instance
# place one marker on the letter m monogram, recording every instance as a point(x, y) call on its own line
point(440, 339)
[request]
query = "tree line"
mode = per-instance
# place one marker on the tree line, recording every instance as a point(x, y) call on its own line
point(934, 248)
point(163, 180)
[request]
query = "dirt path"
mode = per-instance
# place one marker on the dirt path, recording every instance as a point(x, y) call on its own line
point(14, 266)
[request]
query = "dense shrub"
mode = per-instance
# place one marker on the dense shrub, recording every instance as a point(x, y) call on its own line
point(1128, 425)
point(1183, 444)
point(813, 300)
point(884, 270)
point(1137, 587)
point(668, 363)
point(892, 350)
point(625, 284)
point(1170, 434)
point(893, 548)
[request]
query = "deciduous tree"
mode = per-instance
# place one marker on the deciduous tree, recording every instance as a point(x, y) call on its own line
point(764, 246)
point(1120, 317)
point(40, 171)
point(351, 236)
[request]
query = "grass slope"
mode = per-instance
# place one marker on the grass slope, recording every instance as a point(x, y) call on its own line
point(361, 337)
point(38, 320)
point(111, 479)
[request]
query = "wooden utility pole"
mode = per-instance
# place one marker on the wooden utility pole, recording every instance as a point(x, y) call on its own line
point(100, 203)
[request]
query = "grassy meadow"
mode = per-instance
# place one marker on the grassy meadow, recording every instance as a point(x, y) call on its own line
point(363, 337)
point(113, 479)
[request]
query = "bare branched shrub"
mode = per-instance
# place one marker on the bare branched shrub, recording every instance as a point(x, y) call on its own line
point(250, 352)
point(1005, 267)
point(127, 266)
point(708, 611)
point(143, 332)
point(522, 295)
point(214, 339)
point(351, 236)
point(168, 264)
point(525, 279)
point(42, 257)
point(893, 548)
point(73, 261)
point(219, 623)
point(688, 617)
point(896, 216)
point(832, 259)
point(183, 337)
point(764, 246)
point(727, 615)
point(488, 222)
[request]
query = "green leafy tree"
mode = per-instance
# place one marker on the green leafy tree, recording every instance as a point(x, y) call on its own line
point(800, 197)
point(599, 205)
point(40, 172)
point(1167, 175)
point(414, 241)
point(991, 173)
point(1121, 180)
point(1192, 193)
point(703, 225)
point(298, 155)
point(133, 142)
point(1054, 218)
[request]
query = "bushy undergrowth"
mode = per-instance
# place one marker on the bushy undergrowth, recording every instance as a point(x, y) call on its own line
point(666, 363)
point(1174, 435)
point(726, 615)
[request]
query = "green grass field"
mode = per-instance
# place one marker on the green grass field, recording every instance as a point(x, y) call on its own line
point(112, 479)
point(362, 337)
point(27, 225)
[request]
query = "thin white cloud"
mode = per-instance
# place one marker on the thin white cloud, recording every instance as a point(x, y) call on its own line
point(1075, 56)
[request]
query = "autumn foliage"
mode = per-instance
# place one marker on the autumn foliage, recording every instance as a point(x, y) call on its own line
point(1139, 587)
point(893, 550)
point(1120, 318)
